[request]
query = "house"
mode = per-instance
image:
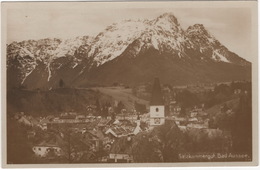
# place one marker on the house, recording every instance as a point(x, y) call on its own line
point(237, 91)
point(116, 122)
point(80, 127)
point(193, 120)
point(121, 151)
point(137, 128)
point(117, 132)
point(31, 134)
point(178, 120)
point(28, 120)
point(68, 117)
point(182, 128)
point(47, 148)
point(84, 157)
point(112, 133)
point(24, 120)
point(90, 118)
point(145, 117)
point(104, 122)
point(203, 114)
point(18, 115)
point(93, 124)
point(81, 117)
point(213, 133)
point(175, 108)
point(43, 123)
point(197, 125)
point(91, 109)
point(94, 138)
point(97, 139)
point(193, 113)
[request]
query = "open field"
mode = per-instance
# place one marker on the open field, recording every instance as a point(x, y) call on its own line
point(122, 94)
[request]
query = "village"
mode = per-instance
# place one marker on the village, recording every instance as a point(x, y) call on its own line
point(86, 138)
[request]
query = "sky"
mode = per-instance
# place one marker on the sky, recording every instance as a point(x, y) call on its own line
point(231, 26)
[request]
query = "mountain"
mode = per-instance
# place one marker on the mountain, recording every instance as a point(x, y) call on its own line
point(35, 62)
point(129, 52)
point(205, 43)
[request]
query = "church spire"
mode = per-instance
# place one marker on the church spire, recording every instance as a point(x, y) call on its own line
point(157, 97)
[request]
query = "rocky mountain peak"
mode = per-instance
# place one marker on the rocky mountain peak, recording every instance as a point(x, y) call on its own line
point(198, 29)
point(168, 17)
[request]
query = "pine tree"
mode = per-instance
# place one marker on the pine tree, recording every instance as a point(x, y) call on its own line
point(98, 109)
point(119, 107)
point(61, 83)
point(242, 126)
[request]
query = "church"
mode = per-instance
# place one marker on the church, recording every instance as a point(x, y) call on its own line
point(157, 109)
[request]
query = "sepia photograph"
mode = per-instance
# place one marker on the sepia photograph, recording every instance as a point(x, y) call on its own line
point(129, 84)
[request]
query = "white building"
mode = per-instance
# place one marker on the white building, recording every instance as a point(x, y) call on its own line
point(137, 128)
point(45, 148)
point(157, 110)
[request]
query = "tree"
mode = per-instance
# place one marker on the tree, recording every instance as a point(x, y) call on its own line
point(18, 148)
point(104, 111)
point(183, 112)
point(223, 88)
point(119, 107)
point(224, 108)
point(162, 144)
point(146, 148)
point(74, 145)
point(187, 99)
point(140, 107)
point(172, 141)
point(98, 109)
point(148, 88)
point(115, 84)
point(108, 104)
point(22, 87)
point(61, 83)
point(242, 125)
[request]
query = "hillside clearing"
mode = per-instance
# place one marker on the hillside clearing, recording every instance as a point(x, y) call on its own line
point(122, 94)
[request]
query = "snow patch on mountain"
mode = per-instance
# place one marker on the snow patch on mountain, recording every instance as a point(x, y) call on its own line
point(218, 57)
point(46, 51)
point(207, 43)
point(75, 65)
point(69, 46)
point(49, 72)
point(115, 39)
point(162, 33)
point(27, 74)
point(155, 43)
point(23, 51)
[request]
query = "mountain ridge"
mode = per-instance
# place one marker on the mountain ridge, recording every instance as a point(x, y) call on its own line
point(76, 60)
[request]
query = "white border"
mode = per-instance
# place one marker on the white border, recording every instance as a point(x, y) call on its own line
point(2, 93)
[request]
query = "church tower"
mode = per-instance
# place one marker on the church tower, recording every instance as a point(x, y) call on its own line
point(157, 115)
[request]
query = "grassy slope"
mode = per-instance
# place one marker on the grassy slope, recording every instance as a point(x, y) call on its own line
point(231, 104)
point(122, 94)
